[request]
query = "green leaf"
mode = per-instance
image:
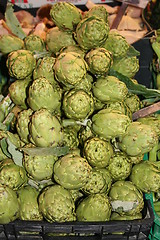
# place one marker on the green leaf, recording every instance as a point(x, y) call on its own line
point(4, 147)
point(135, 88)
point(3, 127)
point(132, 52)
point(13, 23)
point(16, 155)
point(45, 151)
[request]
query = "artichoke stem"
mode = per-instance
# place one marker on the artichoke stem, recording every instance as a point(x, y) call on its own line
point(153, 153)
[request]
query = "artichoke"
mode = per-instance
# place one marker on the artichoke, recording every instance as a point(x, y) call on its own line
point(99, 182)
point(126, 199)
point(98, 11)
point(10, 43)
point(138, 139)
point(70, 68)
point(133, 102)
point(20, 64)
point(99, 61)
point(44, 68)
point(71, 171)
point(39, 167)
point(18, 92)
point(85, 84)
point(56, 39)
point(73, 48)
point(42, 94)
point(109, 123)
point(77, 104)
point(28, 205)
point(23, 119)
point(97, 152)
point(9, 207)
point(91, 32)
point(146, 176)
point(116, 44)
point(84, 134)
point(70, 138)
point(128, 66)
point(42, 134)
point(34, 43)
point(117, 217)
point(120, 106)
point(95, 207)
point(56, 204)
point(136, 159)
point(65, 15)
point(109, 89)
point(119, 166)
point(12, 175)
point(153, 121)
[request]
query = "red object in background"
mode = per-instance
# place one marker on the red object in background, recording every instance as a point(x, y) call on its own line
point(16, 1)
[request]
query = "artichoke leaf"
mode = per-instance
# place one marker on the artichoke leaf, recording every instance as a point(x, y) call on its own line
point(4, 147)
point(13, 23)
point(3, 127)
point(16, 155)
point(124, 205)
point(132, 51)
point(46, 151)
point(135, 88)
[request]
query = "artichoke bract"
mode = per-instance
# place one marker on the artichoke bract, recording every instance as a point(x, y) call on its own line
point(73, 48)
point(91, 32)
point(109, 89)
point(119, 106)
point(23, 119)
point(84, 134)
point(10, 43)
point(18, 92)
point(95, 207)
point(56, 204)
point(65, 15)
point(119, 166)
point(39, 167)
point(9, 207)
point(56, 39)
point(28, 204)
point(126, 198)
point(98, 11)
point(34, 43)
point(42, 134)
point(42, 94)
point(116, 44)
point(109, 123)
point(77, 104)
point(97, 152)
point(153, 121)
point(70, 68)
point(70, 138)
point(146, 176)
point(21, 63)
point(133, 102)
point(85, 84)
point(99, 61)
point(12, 175)
point(98, 182)
point(138, 139)
point(44, 68)
point(71, 171)
point(128, 66)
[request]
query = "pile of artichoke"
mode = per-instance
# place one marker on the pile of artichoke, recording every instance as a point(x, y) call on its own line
point(70, 150)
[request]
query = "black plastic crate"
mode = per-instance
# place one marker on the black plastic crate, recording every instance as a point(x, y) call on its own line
point(34, 230)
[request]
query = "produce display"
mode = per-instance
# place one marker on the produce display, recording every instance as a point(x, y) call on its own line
point(69, 149)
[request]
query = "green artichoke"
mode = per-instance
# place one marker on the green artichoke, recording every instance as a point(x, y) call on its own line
point(10, 43)
point(70, 138)
point(20, 64)
point(99, 61)
point(70, 69)
point(126, 199)
point(109, 89)
point(136, 159)
point(71, 171)
point(138, 139)
point(65, 15)
point(119, 166)
point(98, 11)
point(117, 217)
point(85, 84)
point(42, 134)
point(42, 94)
point(109, 123)
point(73, 48)
point(98, 105)
point(128, 66)
point(44, 68)
point(77, 104)
point(95, 207)
point(84, 133)
point(91, 32)
point(28, 204)
point(120, 106)
point(23, 119)
point(97, 152)
point(133, 102)
point(56, 204)
point(153, 121)
point(56, 39)
point(18, 92)
point(146, 176)
point(116, 44)
point(9, 207)
point(76, 194)
point(34, 43)
point(39, 167)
